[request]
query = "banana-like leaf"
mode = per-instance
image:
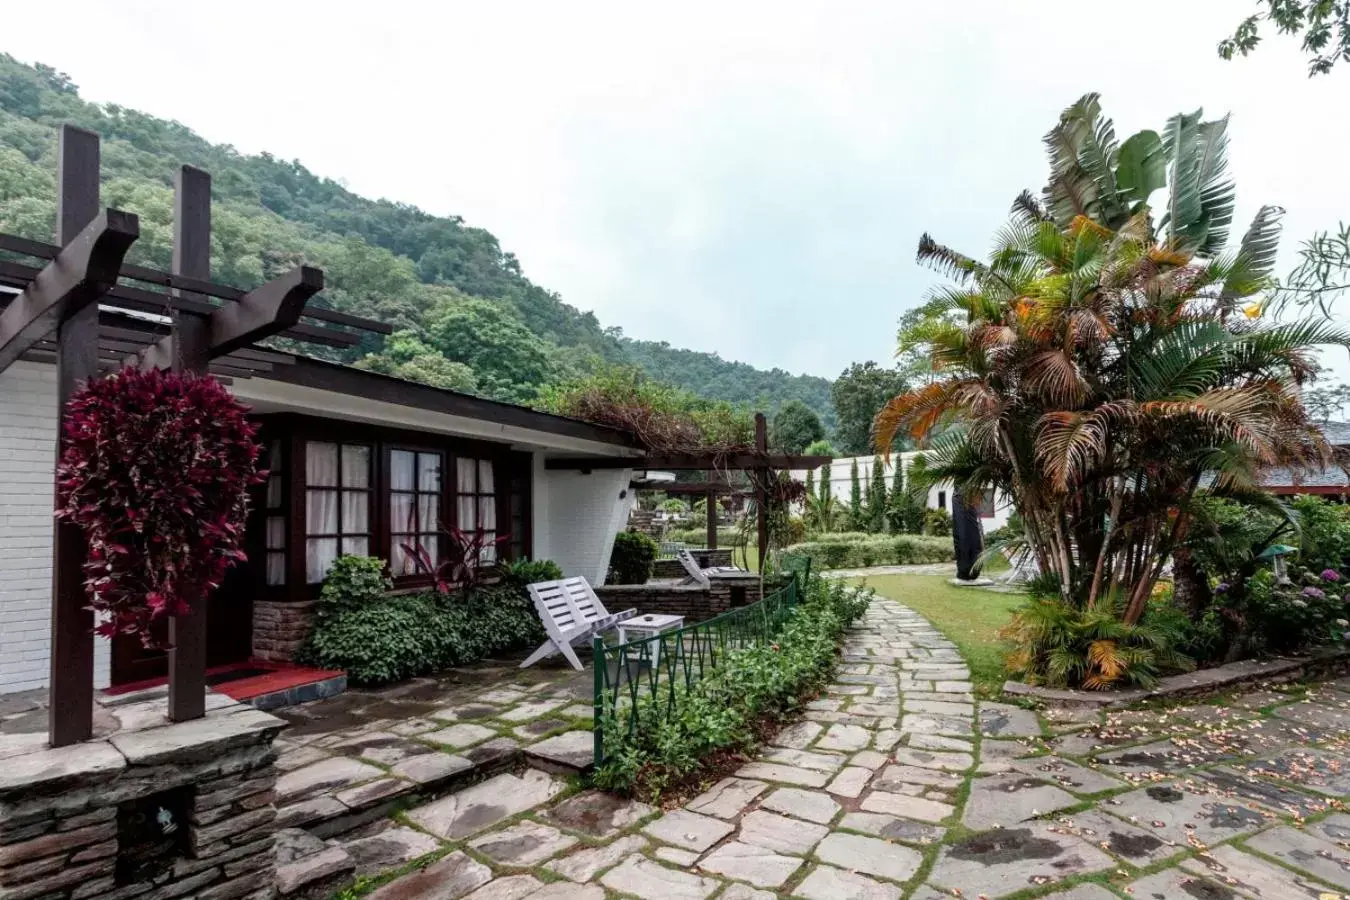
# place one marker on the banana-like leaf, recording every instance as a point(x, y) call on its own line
point(1141, 166)
point(1255, 260)
point(1184, 208)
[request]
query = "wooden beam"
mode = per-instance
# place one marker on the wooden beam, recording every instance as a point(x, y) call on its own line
point(263, 312)
point(690, 487)
point(747, 461)
point(761, 487)
point(710, 534)
point(38, 249)
point(70, 716)
point(81, 273)
point(189, 350)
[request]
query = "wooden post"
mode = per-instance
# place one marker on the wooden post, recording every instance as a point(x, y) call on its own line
point(70, 718)
point(761, 488)
point(711, 500)
point(190, 353)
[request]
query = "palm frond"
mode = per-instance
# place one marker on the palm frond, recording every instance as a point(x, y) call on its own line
point(1250, 270)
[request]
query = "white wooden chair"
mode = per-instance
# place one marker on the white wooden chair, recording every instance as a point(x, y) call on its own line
point(571, 612)
point(696, 572)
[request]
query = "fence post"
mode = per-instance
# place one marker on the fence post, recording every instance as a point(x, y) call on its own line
point(597, 713)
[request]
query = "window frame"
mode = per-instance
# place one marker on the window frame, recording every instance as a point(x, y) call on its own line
point(371, 491)
point(388, 534)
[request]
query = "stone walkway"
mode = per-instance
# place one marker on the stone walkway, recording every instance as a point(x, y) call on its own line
point(897, 784)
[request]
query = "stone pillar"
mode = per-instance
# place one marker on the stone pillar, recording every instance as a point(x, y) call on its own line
point(280, 628)
point(183, 809)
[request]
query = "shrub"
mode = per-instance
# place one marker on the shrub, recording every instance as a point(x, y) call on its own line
point(1059, 645)
point(721, 711)
point(937, 522)
point(378, 638)
point(1279, 618)
point(1325, 542)
point(155, 471)
point(851, 550)
point(697, 537)
point(525, 572)
point(631, 560)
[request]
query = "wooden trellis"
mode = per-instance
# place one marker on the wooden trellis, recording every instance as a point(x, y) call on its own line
point(90, 312)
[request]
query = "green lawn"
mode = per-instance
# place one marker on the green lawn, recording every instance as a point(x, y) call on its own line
point(969, 616)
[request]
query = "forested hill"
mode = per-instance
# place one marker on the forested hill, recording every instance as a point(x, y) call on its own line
point(472, 320)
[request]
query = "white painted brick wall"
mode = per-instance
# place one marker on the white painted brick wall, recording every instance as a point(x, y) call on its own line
point(27, 461)
point(577, 517)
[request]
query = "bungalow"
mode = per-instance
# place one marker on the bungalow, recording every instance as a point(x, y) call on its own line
point(360, 463)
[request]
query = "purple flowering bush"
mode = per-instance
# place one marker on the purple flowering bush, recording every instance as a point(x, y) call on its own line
point(1286, 618)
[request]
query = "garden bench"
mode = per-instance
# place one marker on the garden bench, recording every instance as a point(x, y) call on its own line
point(570, 612)
point(698, 573)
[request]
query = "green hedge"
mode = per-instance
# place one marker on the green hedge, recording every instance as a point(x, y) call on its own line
point(854, 550)
point(698, 537)
point(377, 638)
point(723, 710)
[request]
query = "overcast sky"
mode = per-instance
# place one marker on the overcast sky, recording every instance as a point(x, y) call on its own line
point(745, 178)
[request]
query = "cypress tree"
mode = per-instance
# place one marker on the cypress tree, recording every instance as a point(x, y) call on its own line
point(825, 489)
point(876, 498)
point(895, 503)
point(810, 494)
point(855, 501)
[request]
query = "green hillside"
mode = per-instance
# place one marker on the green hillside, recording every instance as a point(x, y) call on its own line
point(472, 319)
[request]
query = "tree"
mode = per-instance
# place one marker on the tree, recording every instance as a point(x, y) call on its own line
point(810, 493)
point(856, 513)
point(405, 355)
point(859, 392)
point(1327, 404)
point(876, 498)
point(1324, 24)
point(1107, 371)
point(895, 501)
point(795, 426)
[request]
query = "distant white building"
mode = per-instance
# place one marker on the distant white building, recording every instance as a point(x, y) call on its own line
point(994, 511)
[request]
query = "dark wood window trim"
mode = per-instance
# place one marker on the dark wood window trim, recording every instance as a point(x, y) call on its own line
point(347, 487)
point(296, 431)
point(398, 532)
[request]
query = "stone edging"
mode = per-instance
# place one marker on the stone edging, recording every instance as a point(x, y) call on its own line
point(1189, 684)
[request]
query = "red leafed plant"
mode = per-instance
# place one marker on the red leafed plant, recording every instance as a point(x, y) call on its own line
point(155, 470)
point(466, 568)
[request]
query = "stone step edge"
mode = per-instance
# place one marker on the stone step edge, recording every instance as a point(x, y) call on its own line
point(1188, 684)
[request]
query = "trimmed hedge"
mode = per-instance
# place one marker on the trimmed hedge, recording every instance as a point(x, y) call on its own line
point(855, 550)
point(722, 712)
point(697, 537)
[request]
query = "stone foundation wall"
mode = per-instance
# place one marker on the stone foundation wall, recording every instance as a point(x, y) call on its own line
point(279, 629)
point(60, 836)
point(695, 602)
point(671, 568)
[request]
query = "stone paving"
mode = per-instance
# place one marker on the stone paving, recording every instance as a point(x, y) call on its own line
point(898, 783)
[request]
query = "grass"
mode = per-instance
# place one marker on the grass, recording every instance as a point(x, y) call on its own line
point(970, 617)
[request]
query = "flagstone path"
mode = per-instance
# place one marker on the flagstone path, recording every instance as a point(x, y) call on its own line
point(899, 784)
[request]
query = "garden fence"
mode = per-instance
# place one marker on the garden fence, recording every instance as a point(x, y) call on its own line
point(661, 668)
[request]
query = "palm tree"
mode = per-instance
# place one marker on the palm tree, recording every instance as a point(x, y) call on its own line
point(1105, 369)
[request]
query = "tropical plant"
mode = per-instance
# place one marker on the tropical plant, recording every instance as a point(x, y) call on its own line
point(810, 494)
point(155, 470)
point(472, 554)
point(822, 511)
point(1106, 370)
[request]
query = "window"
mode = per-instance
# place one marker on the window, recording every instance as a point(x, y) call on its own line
point(476, 501)
point(337, 504)
point(987, 504)
point(275, 566)
point(942, 499)
point(414, 510)
point(518, 502)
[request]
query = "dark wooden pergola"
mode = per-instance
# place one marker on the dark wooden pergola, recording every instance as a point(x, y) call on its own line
point(84, 308)
point(759, 461)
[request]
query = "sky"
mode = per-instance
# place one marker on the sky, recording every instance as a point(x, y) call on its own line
point(747, 178)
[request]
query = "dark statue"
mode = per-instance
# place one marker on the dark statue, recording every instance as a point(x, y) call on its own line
point(967, 536)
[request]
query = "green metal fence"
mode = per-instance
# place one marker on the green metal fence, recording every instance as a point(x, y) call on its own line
point(659, 667)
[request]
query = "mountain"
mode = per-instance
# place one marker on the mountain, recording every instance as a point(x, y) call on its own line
point(433, 276)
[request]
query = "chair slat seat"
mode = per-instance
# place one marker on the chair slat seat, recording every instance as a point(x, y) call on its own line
point(697, 572)
point(570, 612)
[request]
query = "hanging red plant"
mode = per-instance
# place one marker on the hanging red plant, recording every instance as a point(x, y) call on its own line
point(155, 470)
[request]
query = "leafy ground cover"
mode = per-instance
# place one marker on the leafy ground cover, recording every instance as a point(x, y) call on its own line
point(970, 617)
